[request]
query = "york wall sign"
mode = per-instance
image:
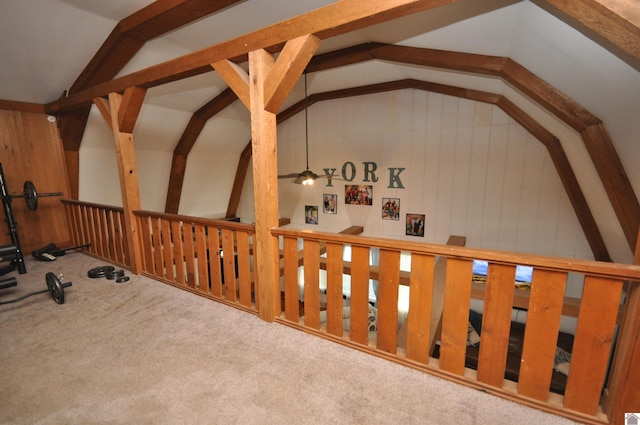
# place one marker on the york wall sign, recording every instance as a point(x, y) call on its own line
point(349, 174)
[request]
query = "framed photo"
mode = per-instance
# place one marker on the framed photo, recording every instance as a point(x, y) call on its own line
point(391, 208)
point(415, 225)
point(311, 214)
point(330, 203)
point(358, 194)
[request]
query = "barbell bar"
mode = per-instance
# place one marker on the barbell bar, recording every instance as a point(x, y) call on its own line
point(54, 286)
point(31, 195)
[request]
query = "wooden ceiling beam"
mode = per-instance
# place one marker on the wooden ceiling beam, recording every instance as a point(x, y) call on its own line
point(130, 108)
point(618, 21)
point(185, 144)
point(131, 33)
point(163, 16)
point(291, 62)
point(102, 105)
point(237, 79)
point(328, 21)
point(122, 44)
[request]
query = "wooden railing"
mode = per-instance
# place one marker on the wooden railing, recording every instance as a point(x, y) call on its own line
point(594, 335)
point(212, 258)
point(100, 225)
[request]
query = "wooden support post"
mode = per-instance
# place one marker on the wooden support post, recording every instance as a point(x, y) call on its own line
point(265, 186)
point(269, 82)
point(123, 116)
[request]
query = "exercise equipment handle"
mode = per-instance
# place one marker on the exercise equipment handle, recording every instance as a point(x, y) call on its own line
point(8, 283)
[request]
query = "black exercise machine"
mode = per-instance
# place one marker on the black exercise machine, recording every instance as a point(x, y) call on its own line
point(11, 252)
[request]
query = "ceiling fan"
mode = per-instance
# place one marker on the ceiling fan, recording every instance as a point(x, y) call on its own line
point(306, 177)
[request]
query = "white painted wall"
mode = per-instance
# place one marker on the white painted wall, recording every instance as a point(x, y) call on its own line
point(469, 168)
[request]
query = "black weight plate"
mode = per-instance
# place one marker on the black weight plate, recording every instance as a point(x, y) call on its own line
point(30, 195)
point(55, 287)
point(122, 279)
point(100, 271)
point(115, 274)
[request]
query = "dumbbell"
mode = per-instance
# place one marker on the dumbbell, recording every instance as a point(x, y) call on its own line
point(54, 286)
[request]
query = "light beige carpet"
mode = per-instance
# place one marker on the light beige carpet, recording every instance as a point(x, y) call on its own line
point(145, 353)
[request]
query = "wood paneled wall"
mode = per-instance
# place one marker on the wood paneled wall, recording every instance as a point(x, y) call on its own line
point(32, 150)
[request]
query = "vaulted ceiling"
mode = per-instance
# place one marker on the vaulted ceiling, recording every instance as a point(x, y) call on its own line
point(587, 50)
point(46, 44)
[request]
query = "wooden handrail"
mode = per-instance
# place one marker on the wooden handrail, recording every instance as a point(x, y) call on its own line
point(197, 220)
point(91, 205)
point(594, 268)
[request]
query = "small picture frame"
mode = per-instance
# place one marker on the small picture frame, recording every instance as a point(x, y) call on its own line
point(355, 194)
point(330, 203)
point(415, 225)
point(311, 214)
point(391, 208)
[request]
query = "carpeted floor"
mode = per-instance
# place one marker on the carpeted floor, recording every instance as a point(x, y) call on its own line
point(145, 353)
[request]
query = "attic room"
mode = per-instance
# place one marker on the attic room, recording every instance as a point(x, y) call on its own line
point(503, 133)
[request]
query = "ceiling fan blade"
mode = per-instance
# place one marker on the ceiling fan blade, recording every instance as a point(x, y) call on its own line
point(288, 176)
point(324, 176)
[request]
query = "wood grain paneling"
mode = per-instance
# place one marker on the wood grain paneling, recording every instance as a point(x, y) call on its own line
point(32, 150)
point(312, 284)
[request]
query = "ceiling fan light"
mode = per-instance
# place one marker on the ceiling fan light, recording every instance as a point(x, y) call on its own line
point(306, 178)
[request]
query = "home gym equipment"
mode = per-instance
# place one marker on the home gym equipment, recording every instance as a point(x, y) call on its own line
point(55, 287)
point(116, 274)
point(101, 271)
point(51, 252)
point(30, 195)
point(109, 272)
point(18, 256)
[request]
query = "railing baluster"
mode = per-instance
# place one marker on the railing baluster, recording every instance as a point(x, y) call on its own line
point(156, 234)
point(359, 294)
point(189, 254)
point(541, 333)
point(592, 343)
point(229, 268)
point(86, 219)
point(455, 315)
point(291, 297)
point(178, 251)
point(145, 235)
point(104, 233)
point(496, 321)
point(311, 284)
point(387, 323)
point(71, 223)
point(244, 269)
point(77, 223)
point(334, 289)
point(167, 249)
point(201, 257)
point(111, 235)
point(214, 261)
point(95, 216)
point(419, 316)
